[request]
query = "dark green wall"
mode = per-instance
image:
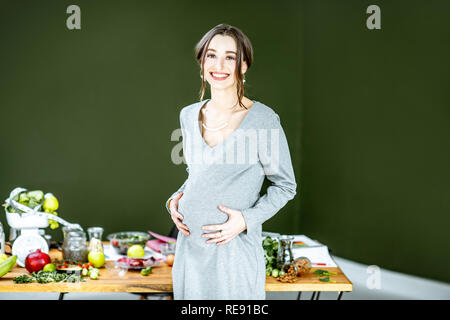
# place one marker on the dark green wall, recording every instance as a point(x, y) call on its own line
point(376, 133)
point(88, 114)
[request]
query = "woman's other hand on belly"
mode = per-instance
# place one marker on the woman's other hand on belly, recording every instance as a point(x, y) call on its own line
point(176, 216)
point(228, 230)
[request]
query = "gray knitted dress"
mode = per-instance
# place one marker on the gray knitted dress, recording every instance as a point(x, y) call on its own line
point(230, 174)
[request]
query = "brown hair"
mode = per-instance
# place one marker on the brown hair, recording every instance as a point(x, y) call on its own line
point(244, 52)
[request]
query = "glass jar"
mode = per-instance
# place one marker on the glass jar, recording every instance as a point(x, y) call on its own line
point(74, 246)
point(95, 239)
point(284, 257)
point(65, 231)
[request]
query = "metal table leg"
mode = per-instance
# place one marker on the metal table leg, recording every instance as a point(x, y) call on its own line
point(340, 295)
point(313, 295)
point(318, 295)
point(61, 296)
point(299, 295)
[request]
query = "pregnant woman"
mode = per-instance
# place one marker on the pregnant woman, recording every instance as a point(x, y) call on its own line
point(230, 144)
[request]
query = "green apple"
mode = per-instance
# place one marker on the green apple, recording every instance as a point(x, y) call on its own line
point(97, 258)
point(136, 252)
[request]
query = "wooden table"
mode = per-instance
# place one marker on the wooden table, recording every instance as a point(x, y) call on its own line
point(160, 282)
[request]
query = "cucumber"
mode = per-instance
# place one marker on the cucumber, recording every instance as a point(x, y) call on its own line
point(37, 195)
point(7, 265)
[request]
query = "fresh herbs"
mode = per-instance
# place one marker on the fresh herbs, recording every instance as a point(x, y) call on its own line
point(23, 279)
point(47, 277)
point(325, 274)
point(270, 247)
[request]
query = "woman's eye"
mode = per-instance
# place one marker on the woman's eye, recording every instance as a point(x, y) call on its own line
point(213, 56)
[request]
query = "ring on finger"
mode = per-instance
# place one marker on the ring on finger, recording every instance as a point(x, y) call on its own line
point(215, 240)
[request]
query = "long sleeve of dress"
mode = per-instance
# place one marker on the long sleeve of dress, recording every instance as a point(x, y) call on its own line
point(178, 191)
point(187, 168)
point(280, 173)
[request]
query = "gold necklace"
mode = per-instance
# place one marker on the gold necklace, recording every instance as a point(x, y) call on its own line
point(221, 126)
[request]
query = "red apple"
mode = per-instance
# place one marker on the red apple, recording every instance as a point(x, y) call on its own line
point(36, 261)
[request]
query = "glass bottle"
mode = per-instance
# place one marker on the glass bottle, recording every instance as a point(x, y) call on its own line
point(74, 246)
point(95, 239)
point(284, 257)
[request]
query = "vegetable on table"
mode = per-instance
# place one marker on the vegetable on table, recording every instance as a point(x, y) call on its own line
point(326, 275)
point(146, 271)
point(275, 273)
point(93, 273)
point(7, 265)
point(47, 277)
point(270, 247)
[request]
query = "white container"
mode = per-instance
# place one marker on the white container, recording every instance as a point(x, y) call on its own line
point(26, 221)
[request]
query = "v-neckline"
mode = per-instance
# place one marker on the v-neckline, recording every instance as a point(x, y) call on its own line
point(227, 138)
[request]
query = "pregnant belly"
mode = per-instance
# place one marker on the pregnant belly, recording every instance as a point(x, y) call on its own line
point(198, 213)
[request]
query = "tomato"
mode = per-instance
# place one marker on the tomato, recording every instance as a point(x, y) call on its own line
point(134, 262)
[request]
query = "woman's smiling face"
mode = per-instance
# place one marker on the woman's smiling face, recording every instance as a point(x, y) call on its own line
point(220, 62)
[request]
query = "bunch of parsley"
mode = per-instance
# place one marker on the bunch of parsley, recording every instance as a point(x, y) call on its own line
point(270, 247)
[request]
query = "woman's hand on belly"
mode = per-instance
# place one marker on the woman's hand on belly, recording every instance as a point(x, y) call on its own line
point(228, 230)
point(176, 216)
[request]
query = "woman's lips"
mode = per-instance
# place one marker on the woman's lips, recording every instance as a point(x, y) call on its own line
point(220, 74)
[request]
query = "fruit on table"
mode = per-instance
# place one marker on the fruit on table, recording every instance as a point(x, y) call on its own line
point(122, 241)
point(50, 204)
point(170, 259)
point(97, 258)
point(136, 252)
point(49, 267)
point(137, 263)
point(36, 261)
point(53, 223)
point(7, 265)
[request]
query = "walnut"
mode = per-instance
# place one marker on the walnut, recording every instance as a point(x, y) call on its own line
point(303, 265)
